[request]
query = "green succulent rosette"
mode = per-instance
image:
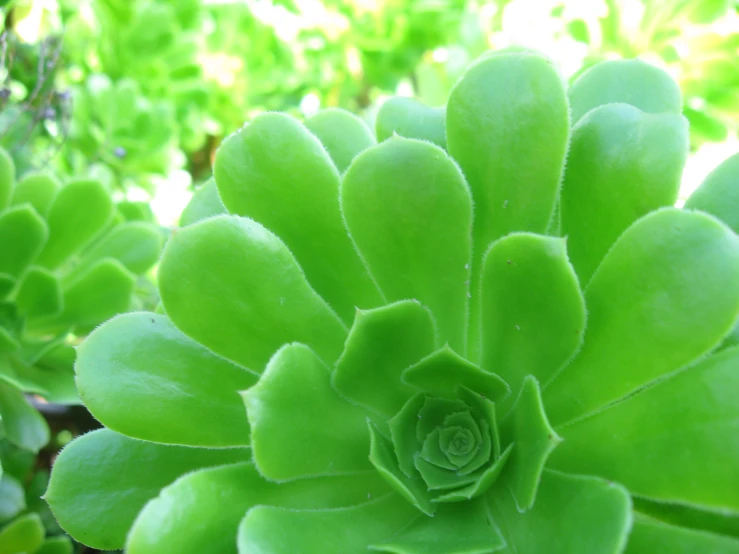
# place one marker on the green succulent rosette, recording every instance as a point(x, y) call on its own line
point(69, 260)
point(513, 344)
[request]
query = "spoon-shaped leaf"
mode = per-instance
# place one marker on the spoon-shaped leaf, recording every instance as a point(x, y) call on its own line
point(101, 480)
point(278, 173)
point(409, 211)
point(663, 296)
point(142, 360)
point(257, 301)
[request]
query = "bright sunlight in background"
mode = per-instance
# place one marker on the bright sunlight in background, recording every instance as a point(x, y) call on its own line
point(195, 70)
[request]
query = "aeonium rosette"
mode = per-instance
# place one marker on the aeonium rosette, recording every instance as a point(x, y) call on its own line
point(432, 430)
point(453, 347)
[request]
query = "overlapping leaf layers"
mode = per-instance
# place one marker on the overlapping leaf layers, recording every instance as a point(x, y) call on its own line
point(447, 348)
point(68, 262)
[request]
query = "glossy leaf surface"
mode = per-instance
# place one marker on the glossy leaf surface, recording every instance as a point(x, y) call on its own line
point(381, 344)
point(200, 512)
point(458, 529)
point(257, 301)
point(120, 476)
point(673, 273)
point(507, 126)
point(650, 536)
point(142, 360)
point(287, 443)
point(634, 82)
point(409, 211)
point(528, 329)
point(653, 442)
point(572, 515)
point(341, 531)
point(277, 173)
point(622, 164)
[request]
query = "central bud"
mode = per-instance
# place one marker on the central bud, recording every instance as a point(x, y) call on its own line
point(457, 442)
point(441, 443)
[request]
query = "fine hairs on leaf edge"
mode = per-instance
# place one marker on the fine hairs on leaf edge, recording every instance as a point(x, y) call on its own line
point(667, 375)
point(563, 241)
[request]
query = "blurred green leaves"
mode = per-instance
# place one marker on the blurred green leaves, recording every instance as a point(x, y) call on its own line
point(146, 87)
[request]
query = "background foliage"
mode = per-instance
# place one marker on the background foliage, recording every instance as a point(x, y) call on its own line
point(143, 88)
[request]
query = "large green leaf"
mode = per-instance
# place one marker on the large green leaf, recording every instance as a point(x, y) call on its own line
point(142, 360)
point(677, 441)
point(664, 295)
point(690, 515)
point(256, 301)
point(101, 480)
point(634, 82)
point(718, 194)
point(201, 512)
point(507, 126)
point(651, 536)
point(300, 425)
point(342, 531)
point(572, 515)
point(409, 211)
point(278, 173)
point(623, 163)
point(533, 313)
point(382, 343)
point(78, 214)
point(343, 134)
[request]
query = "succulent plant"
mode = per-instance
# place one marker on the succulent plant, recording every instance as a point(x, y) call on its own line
point(465, 350)
point(68, 262)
